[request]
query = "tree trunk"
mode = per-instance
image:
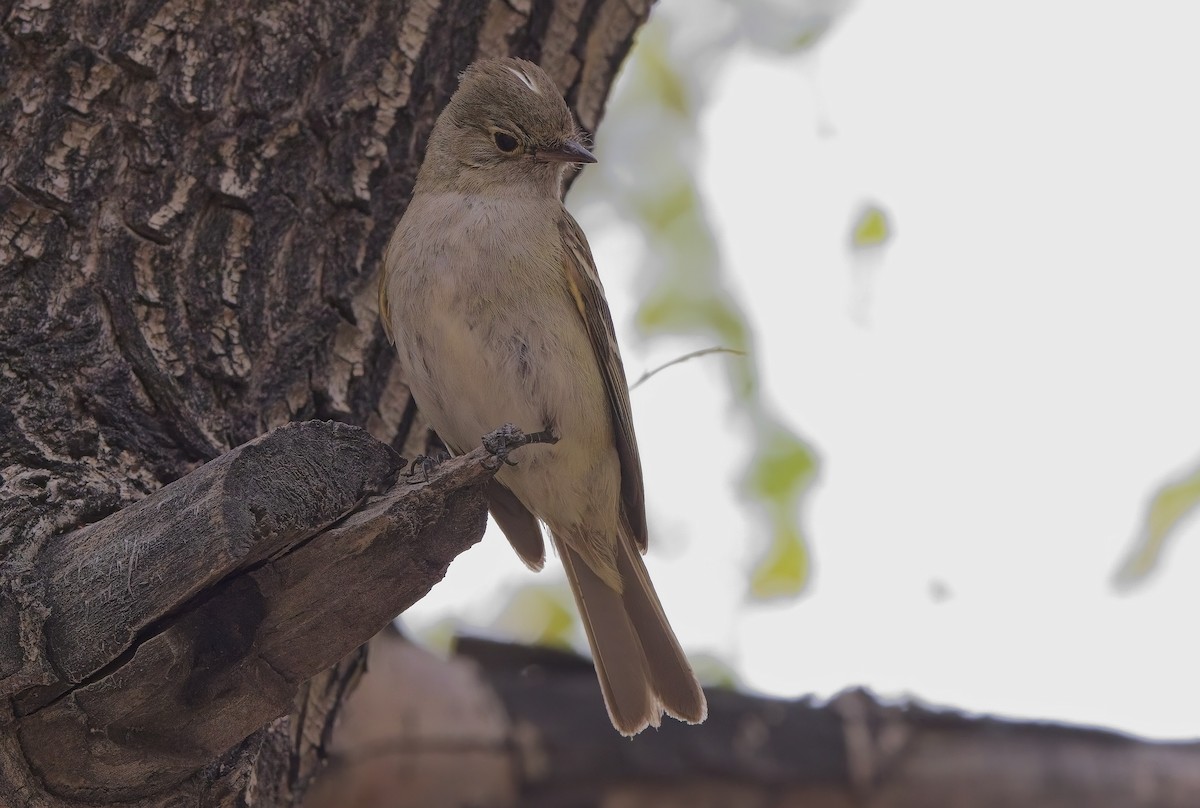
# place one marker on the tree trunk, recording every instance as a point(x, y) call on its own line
point(194, 199)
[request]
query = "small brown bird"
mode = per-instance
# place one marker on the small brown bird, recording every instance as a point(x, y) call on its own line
point(490, 292)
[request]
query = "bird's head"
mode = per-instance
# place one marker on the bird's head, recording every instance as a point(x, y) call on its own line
point(507, 126)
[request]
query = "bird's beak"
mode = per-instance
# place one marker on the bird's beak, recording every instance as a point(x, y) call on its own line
point(568, 152)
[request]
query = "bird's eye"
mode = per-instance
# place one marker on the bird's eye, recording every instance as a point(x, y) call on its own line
point(505, 142)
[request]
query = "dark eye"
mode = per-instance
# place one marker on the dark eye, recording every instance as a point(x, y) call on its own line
point(505, 142)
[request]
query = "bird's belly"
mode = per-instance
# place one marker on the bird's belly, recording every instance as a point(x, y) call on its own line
point(521, 358)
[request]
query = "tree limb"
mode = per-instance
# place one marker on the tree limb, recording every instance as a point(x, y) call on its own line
point(183, 623)
point(516, 726)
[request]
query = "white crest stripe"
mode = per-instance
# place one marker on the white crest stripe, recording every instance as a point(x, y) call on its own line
point(528, 82)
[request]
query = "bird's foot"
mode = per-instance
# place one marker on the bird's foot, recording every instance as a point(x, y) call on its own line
point(423, 464)
point(503, 440)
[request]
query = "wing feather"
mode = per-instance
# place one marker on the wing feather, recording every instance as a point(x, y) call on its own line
point(583, 281)
point(385, 312)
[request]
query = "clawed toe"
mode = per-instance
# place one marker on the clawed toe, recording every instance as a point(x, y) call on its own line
point(424, 464)
point(508, 437)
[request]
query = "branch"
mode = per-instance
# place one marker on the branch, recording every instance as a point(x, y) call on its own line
point(505, 725)
point(181, 624)
point(681, 359)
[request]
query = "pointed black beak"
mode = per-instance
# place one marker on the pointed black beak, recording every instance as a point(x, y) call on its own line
point(568, 152)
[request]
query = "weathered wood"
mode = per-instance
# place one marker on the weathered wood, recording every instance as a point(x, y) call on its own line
point(194, 198)
point(106, 583)
point(285, 566)
point(514, 726)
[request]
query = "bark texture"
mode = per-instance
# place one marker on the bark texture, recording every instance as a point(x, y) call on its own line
point(512, 726)
point(180, 625)
point(194, 197)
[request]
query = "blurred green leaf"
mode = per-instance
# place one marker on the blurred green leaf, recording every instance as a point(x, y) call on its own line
point(783, 468)
point(1169, 506)
point(810, 36)
point(440, 636)
point(675, 310)
point(659, 313)
point(872, 228)
point(662, 210)
point(712, 672)
point(659, 75)
point(784, 570)
point(542, 614)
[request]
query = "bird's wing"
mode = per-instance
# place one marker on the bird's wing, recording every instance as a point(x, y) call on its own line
point(583, 282)
point(385, 313)
point(518, 523)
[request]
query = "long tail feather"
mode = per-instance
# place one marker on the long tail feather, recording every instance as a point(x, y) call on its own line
point(671, 676)
point(620, 665)
point(641, 667)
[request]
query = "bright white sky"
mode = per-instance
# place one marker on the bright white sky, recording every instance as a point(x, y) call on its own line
point(993, 417)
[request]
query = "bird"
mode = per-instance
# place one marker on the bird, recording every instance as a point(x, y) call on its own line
point(491, 295)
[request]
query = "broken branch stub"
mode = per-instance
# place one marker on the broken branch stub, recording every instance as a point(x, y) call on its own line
point(183, 623)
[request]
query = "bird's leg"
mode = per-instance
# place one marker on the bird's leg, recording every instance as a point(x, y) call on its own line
point(423, 464)
point(503, 440)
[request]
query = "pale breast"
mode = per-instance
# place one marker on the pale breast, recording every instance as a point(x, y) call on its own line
point(488, 334)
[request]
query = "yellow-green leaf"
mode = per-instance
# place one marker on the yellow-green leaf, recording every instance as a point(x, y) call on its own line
point(871, 229)
point(539, 614)
point(714, 672)
point(784, 571)
point(810, 36)
point(440, 636)
point(1169, 506)
point(660, 75)
point(674, 310)
point(667, 206)
point(783, 468)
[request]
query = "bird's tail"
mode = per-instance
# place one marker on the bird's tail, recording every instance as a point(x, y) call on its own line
point(642, 670)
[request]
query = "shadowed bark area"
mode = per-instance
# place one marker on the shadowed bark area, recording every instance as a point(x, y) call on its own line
point(194, 198)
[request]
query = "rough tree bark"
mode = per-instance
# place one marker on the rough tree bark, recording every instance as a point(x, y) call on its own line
point(194, 197)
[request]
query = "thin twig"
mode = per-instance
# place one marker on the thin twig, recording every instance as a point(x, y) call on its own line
point(694, 354)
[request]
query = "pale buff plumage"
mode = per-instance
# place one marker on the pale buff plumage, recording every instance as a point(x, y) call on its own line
point(491, 295)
